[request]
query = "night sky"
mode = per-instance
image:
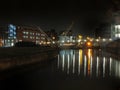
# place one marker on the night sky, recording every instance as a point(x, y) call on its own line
point(55, 14)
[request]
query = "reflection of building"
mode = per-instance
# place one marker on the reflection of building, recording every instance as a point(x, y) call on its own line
point(11, 34)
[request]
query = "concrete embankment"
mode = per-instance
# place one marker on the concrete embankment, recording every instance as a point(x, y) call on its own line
point(12, 57)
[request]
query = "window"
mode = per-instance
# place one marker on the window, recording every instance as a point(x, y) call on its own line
point(25, 36)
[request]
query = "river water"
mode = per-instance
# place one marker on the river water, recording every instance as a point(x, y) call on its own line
point(86, 69)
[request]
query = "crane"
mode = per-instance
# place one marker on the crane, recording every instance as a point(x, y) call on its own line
point(68, 29)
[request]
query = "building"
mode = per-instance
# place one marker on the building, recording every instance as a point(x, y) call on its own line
point(30, 34)
point(115, 31)
point(115, 27)
point(53, 35)
point(3, 35)
point(12, 34)
point(103, 31)
point(67, 38)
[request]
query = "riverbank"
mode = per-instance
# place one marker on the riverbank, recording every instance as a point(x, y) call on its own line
point(18, 56)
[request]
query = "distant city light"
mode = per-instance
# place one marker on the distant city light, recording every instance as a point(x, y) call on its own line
point(85, 40)
point(97, 40)
point(104, 39)
point(53, 37)
point(73, 40)
point(79, 40)
point(53, 42)
point(63, 41)
point(68, 40)
point(80, 36)
point(110, 39)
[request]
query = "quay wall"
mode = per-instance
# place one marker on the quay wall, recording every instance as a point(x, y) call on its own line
point(114, 47)
point(23, 56)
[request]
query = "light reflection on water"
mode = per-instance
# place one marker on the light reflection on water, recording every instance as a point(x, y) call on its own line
point(89, 63)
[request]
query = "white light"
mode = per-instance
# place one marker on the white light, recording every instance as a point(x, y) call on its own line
point(104, 66)
point(12, 44)
point(97, 66)
point(58, 60)
point(85, 40)
point(110, 39)
point(53, 42)
point(63, 41)
point(97, 40)
point(63, 62)
point(73, 40)
point(79, 40)
point(74, 63)
point(118, 26)
point(104, 40)
point(68, 40)
point(68, 64)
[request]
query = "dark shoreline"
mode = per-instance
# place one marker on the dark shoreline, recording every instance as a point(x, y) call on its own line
point(30, 57)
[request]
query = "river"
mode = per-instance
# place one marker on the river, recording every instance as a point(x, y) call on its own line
point(86, 69)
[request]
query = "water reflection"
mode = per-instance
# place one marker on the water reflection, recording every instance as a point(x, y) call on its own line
point(90, 63)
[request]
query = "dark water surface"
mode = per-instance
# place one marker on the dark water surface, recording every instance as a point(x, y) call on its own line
point(72, 70)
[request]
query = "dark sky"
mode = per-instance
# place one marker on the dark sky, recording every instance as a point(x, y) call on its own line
point(55, 14)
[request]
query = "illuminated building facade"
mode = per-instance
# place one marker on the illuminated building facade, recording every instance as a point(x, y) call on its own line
point(115, 27)
point(115, 31)
point(7, 35)
point(67, 39)
point(30, 34)
point(11, 34)
point(3, 35)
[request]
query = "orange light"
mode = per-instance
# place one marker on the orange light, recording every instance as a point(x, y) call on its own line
point(89, 43)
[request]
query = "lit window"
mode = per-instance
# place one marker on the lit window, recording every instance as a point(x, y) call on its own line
point(23, 32)
point(14, 37)
point(97, 40)
point(11, 35)
point(118, 26)
point(26, 32)
point(119, 35)
point(14, 33)
point(116, 35)
point(30, 33)
point(12, 44)
point(104, 40)
point(11, 30)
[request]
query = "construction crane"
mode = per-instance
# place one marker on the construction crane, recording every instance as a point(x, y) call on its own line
point(68, 29)
point(47, 37)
